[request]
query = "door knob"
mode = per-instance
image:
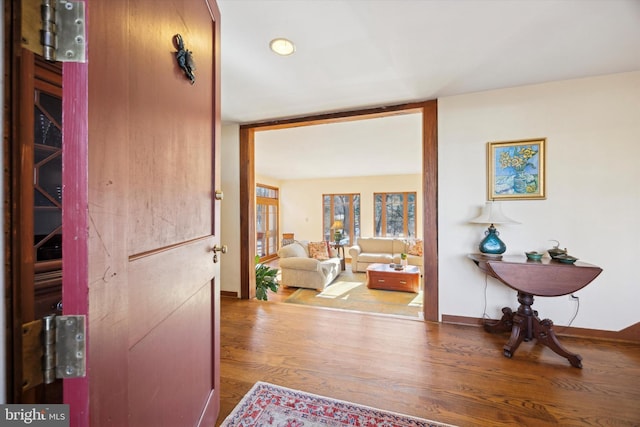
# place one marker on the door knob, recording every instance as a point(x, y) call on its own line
point(217, 249)
point(222, 248)
point(219, 195)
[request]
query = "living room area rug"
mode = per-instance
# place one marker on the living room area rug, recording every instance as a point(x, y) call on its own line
point(349, 292)
point(272, 405)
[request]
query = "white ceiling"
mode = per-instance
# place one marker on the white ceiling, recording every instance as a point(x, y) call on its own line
point(354, 54)
point(382, 146)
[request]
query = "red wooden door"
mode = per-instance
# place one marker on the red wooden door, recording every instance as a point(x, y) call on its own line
point(142, 164)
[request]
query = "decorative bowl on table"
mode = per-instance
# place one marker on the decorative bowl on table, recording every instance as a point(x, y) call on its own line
point(556, 251)
point(565, 259)
point(534, 256)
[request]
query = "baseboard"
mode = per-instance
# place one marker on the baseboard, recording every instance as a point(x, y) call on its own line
point(632, 333)
point(229, 294)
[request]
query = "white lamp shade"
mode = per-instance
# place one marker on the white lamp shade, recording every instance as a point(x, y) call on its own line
point(492, 214)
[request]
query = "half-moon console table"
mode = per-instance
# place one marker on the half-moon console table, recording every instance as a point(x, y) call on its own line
point(546, 278)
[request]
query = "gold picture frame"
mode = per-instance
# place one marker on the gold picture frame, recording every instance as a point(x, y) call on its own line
point(516, 170)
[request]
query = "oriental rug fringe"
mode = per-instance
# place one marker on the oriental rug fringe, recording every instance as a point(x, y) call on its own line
point(272, 405)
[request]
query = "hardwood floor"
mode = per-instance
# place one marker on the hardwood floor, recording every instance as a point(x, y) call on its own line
point(448, 373)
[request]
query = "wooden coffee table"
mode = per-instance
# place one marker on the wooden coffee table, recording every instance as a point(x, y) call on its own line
point(382, 276)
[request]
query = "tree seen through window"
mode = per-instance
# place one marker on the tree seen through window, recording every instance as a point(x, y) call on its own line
point(344, 208)
point(395, 214)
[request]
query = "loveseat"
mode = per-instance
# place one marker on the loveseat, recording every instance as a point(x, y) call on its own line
point(385, 250)
point(306, 264)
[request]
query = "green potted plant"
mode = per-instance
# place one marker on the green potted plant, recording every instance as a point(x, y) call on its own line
point(265, 279)
point(403, 259)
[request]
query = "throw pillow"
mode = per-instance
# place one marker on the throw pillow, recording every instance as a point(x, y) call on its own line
point(293, 250)
point(318, 250)
point(414, 247)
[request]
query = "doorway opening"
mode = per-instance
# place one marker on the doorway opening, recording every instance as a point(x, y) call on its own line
point(428, 110)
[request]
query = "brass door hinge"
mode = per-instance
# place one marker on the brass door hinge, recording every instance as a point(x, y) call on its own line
point(55, 29)
point(54, 347)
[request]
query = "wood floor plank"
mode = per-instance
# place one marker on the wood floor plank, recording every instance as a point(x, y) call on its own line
point(450, 373)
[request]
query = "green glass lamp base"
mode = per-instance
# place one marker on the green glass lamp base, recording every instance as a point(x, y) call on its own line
point(492, 244)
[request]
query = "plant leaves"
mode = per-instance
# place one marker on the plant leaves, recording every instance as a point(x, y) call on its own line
point(265, 280)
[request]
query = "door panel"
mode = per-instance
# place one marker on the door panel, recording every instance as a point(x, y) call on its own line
point(152, 143)
point(181, 381)
point(171, 133)
point(155, 295)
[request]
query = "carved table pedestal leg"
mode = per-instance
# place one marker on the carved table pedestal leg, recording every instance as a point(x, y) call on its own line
point(503, 325)
point(543, 331)
point(525, 326)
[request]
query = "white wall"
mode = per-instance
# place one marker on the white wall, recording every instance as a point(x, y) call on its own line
point(301, 201)
point(230, 209)
point(592, 207)
point(266, 180)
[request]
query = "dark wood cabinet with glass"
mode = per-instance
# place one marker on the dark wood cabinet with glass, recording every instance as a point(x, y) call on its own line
point(35, 222)
point(47, 193)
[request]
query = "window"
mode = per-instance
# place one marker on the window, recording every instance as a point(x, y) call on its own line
point(344, 208)
point(394, 214)
point(266, 222)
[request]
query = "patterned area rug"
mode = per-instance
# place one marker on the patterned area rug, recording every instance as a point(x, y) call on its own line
point(271, 405)
point(349, 292)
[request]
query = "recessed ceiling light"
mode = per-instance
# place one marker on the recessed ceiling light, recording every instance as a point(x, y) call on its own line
point(282, 46)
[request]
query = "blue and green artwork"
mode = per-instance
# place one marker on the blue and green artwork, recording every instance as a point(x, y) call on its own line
point(516, 170)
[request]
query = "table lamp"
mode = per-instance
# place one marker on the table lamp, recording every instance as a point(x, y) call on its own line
point(492, 214)
point(337, 230)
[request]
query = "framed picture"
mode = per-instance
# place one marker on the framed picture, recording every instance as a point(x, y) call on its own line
point(515, 170)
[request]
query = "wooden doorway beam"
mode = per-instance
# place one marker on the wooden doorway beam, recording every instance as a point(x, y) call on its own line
point(247, 213)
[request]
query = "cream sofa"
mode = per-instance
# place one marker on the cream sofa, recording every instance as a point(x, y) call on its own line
point(385, 250)
point(300, 270)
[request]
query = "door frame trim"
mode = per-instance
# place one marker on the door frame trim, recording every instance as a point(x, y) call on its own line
point(75, 220)
point(429, 110)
